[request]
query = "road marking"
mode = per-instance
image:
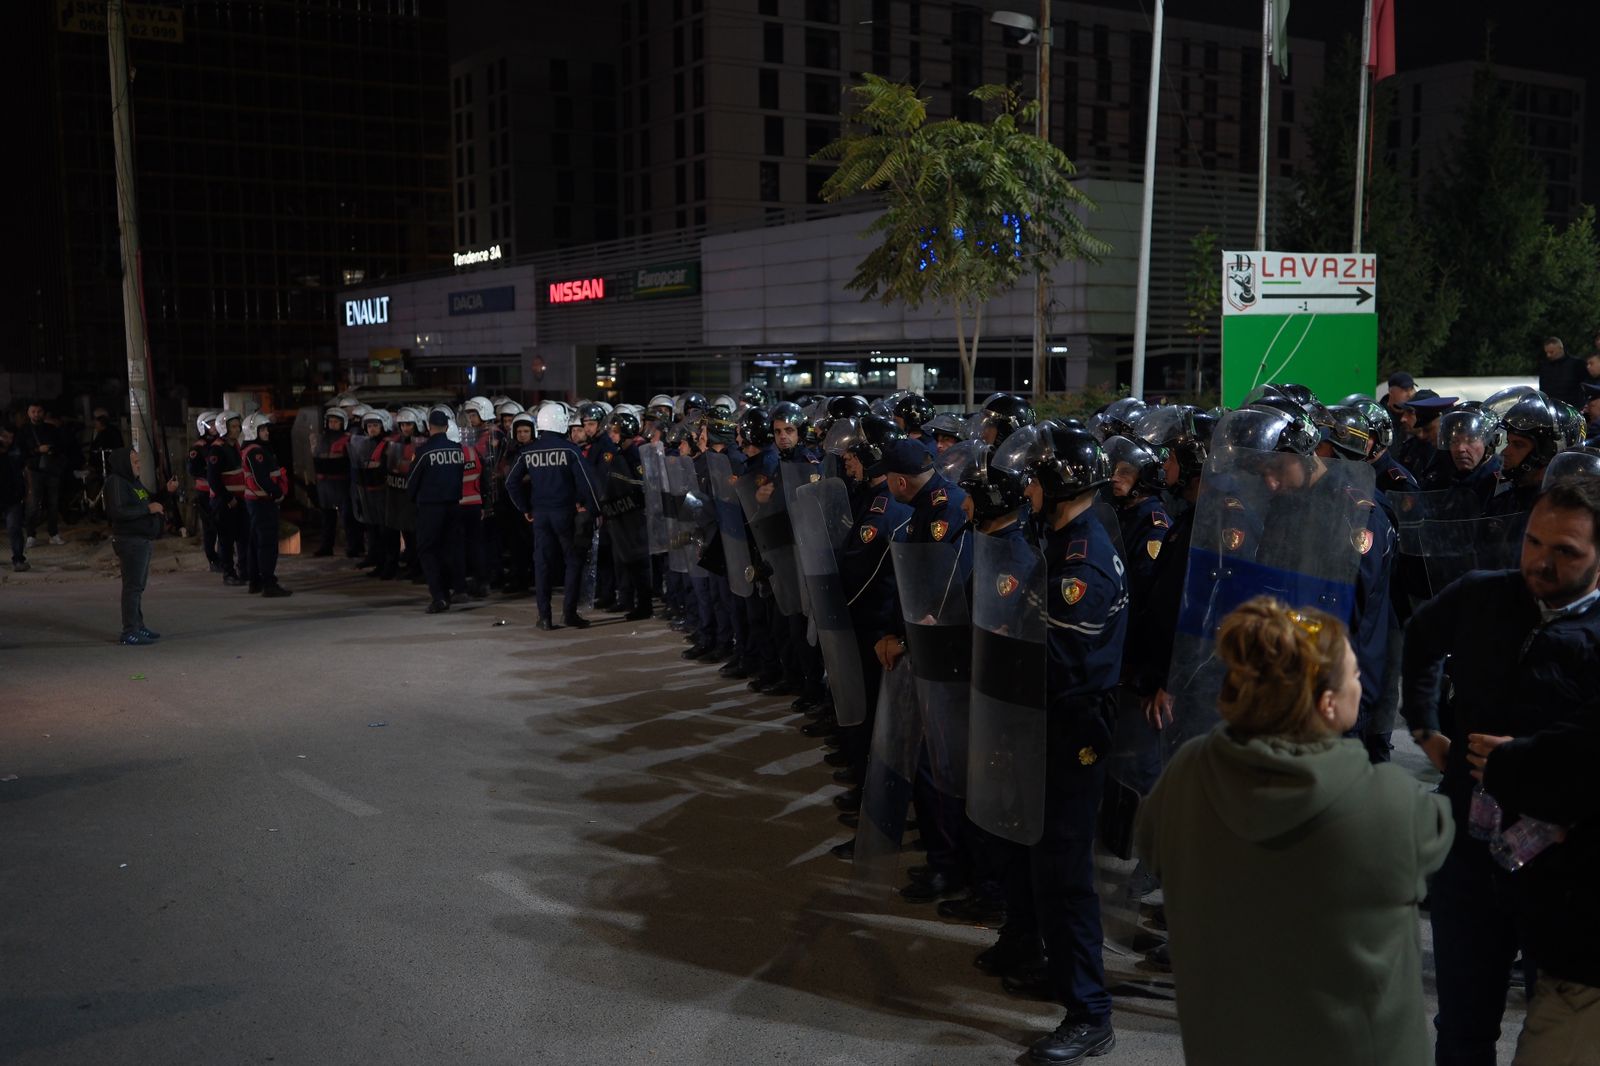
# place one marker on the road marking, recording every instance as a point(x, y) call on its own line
point(512, 887)
point(788, 765)
point(321, 789)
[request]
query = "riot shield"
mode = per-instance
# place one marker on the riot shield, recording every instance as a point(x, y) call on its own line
point(1260, 531)
point(886, 793)
point(933, 602)
point(1006, 763)
point(402, 512)
point(304, 436)
point(624, 507)
point(769, 524)
point(822, 520)
point(360, 451)
point(653, 458)
point(730, 523)
point(794, 476)
point(1440, 532)
point(682, 546)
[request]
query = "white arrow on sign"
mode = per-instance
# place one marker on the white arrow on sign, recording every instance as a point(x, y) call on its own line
point(1278, 283)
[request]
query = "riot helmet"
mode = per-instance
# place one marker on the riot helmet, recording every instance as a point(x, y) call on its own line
point(1137, 469)
point(1345, 430)
point(913, 410)
point(480, 406)
point(1117, 418)
point(848, 407)
point(252, 425)
point(202, 423)
point(994, 493)
point(1065, 462)
point(624, 421)
point(753, 395)
point(1534, 433)
point(553, 417)
point(1185, 432)
point(1470, 435)
point(1002, 415)
point(755, 428)
point(1379, 423)
point(1583, 461)
point(790, 415)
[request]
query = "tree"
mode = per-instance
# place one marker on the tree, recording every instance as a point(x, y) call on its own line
point(1487, 217)
point(970, 207)
point(1202, 285)
point(1418, 301)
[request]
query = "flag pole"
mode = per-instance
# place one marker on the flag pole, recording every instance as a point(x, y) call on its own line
point(1361, 125)
point(1141, 301)
point(1266, 86)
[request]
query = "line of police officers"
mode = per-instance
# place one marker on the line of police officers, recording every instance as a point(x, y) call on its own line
point(1000, 623)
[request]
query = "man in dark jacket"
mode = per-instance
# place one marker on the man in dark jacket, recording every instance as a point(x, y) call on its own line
point(1522, 648)
point(1561, 376)
point(1548, 776)
point(136, 522)
point(44, 449)
point(13, 496)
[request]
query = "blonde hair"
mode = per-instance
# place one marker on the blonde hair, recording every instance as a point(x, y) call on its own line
point(1280, 661)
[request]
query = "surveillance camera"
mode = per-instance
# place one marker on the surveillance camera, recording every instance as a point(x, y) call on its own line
point(1015, 27)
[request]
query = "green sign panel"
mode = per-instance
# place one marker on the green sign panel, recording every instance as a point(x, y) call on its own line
point(666, 279)
point(1301, 317)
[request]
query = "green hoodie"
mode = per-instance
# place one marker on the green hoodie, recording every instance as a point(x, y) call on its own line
point(1292, 874)
point(127, 500)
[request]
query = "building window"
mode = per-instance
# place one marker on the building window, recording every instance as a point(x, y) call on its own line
point(565, 187)
point(458, 91)
point(822, 49)
point(1285, 142)
point(819, 135)
point(816, 178)
point(680, 184)
point(774, 135)
point(461, 232)
point(561, 148)
point(822, 94)
point(700, 180)
point(914, 56)
point(558, 76)
point(644, 192)
point(772, 42)
point(643, 54)
point(822, 10)
point(678, 95)
point(771, 191)
point(697, 86)
point(680, 141)
point(644, 103)
point(700, 135)
point(697, 35)
point(767, 97)
point(677, 46)
point(1287, 114)
point(769, 7)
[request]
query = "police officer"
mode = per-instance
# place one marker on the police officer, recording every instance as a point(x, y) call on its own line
point(1002, 415)
point(1534, 436)
point(1379, 423)
point(400, 513)
point(912, 411)
point(372, 483)
point(548, 485)
point(1088, 600)
point(481, 450)
point(622, 494)
point(205, 436)
point(435, 487)
point(225, 476)
point(802, 661)
point(265, 483)
point(595, 445)
point(1419, 419)
point(1519, 648)
point(765, 623)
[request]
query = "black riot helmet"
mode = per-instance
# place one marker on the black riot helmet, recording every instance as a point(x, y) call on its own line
point(913, 409)
point(848, 407)
point(994, 493)
point(1003, 412)
point(590, 411)
point(791, 414)
point(754, 395)
point(865, 438)
point(1582, 461)
point(755, 427)
point(1145, 464)
point(1066, 462)
point(1117, 418)
point(693, 405)
point(1345, 430)
point(1540, 420)
point(1264, 427)
point(627, 423)
point(1299, 395)
point(1183, 430)
point(1380, 426)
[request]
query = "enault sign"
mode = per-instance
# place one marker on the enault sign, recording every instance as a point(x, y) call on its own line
point(577, 291)
point(373, 311)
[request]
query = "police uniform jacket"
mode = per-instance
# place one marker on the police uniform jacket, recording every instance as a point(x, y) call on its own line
point(864, 565)
point(436, 471)
point(1144, 526)
point(551, 477)
point(1088, 608)
point(1391, 476)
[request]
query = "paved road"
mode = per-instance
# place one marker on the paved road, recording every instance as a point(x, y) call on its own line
point(332, 829)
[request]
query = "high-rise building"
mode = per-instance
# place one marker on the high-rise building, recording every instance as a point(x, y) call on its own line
point(282, 149)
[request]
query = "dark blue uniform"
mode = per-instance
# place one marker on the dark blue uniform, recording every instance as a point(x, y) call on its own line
point(434, 485)
point(1513, 672)
point(1144, 527)
point(549, 482)
point(867, 574)
point(1505, 520)
point(1391, 476)
point(602, 454)
point(1087, 599)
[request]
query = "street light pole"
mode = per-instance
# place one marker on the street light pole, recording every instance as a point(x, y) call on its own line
point(1141, 299)
point(1041, 291)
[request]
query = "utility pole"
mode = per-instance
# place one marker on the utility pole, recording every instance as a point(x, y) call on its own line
point(1041, 291)
point(1267, 45)
point(139, 414)
point(1141, 299)
point(1361, 126)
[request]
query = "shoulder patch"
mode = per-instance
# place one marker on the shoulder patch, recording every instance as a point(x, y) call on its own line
point(1362, 540)
point(815, 478)
point(939, 498)
point(608, 456)
point(1072, 590)
point(1005, 584)
point(1077, 549)
point(1232, 503)
point(1087, 757)
point(869, 533)
point(879, 505)
point(1160, 520)
point(938, 528)
point(1152, 548)
point(1233, 539)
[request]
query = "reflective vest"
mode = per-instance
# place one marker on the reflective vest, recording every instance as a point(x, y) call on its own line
point(373, 474)
point(254, 490)
point(333, 464)
point(471, 496)
point(401, 473)
point(197, 468)
point(232, 480)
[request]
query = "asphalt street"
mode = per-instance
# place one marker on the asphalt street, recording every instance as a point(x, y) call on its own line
point(332, 829)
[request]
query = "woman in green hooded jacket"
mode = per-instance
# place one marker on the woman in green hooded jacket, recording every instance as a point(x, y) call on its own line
point(1290, 865)
point(136, 521)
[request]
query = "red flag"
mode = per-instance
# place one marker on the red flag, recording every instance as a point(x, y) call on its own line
point(1380, 59)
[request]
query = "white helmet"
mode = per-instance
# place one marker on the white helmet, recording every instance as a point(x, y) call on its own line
point(380, 416)
point(202, 424)
point(252, 423)
point(497, 399)
point(554, 417)
point(523, 418)
point(508, 407)
point(358, 411)
point(416, 417)
point(660, 399)
point(220, 424)
point(607, 408)
point(345, 399)
point(335, 412)
point(480, 406)
point(452, 429)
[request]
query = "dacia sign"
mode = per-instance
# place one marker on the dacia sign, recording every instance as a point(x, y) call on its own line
point(484, 301)
point(372, 311)
point(666, 279)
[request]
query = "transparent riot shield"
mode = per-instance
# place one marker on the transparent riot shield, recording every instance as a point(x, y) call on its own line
point(730, 523)
point(1440, 534)
point(768, 515)
point(886, 792)
point(652, 457)
point(402, 512)
point(360, 451)
point(1261, 528)
point(933, 602)
point(794, 476)
point(304, 437)
point(624, 505)
point(682, 547)
point(1005, 762)
point(822, 520)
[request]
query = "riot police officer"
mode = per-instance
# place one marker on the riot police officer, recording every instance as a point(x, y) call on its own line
point(911, 412)
point(548, 485)
point(225, 476)
point(435, 487)
point(265, 483)
point(204, 438)
point(331, 462)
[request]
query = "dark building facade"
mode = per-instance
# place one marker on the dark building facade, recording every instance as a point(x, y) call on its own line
point(283, 149)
